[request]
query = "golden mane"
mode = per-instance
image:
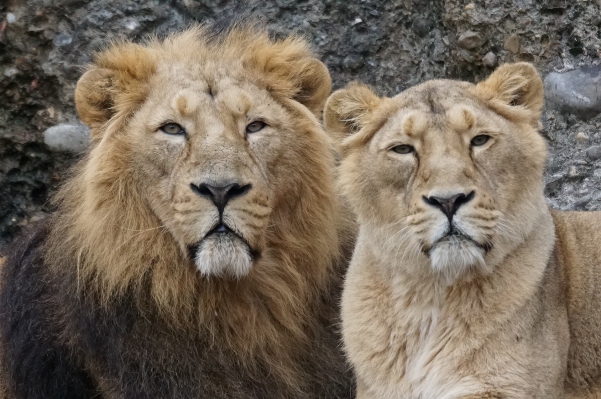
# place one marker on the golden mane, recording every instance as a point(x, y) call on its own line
point(119, 244)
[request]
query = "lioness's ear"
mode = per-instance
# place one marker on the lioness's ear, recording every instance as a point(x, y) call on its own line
point(115, 82)
point(515, 85)
point(348, 109)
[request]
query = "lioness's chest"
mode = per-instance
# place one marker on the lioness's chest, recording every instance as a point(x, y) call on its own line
point(401, 341)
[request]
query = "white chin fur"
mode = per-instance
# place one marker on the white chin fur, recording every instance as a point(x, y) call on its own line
point(223, 255)
point(455, 257)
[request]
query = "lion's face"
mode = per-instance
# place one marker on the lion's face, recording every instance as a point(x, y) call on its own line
point(446, 172)
point(215, 143)
point(207, 156)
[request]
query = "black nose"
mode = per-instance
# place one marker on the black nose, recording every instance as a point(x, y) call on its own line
point(449, 205)
point(220, 194)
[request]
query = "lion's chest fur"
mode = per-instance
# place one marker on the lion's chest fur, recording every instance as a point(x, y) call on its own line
point(128, 350)
point(132, 344)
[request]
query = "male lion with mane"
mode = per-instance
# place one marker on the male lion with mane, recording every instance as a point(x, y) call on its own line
point(198, 246)
point(463, 283)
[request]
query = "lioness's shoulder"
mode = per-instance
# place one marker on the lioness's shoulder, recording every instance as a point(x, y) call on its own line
point(576, 235)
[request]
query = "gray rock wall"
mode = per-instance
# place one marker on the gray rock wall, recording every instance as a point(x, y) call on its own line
point(390, 45)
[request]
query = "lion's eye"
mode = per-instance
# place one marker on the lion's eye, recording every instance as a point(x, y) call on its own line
point(480, 140)
point(255, 126)
point(172, 128)
point(403, 149)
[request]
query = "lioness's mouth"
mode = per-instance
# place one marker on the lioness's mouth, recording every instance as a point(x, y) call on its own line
point(455, 235)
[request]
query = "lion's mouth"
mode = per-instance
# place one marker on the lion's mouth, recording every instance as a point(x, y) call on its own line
point(221, 230)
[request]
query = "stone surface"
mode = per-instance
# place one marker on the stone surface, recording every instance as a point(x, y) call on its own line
point(581, 203)
point(490, 60)
point(594, 152)
point(390, 45)
point(577, 91)
point(512, 44)
point(422, 26)
point(67, 137)
point(470, 40)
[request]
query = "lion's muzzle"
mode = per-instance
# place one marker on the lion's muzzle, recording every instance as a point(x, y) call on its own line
point(220, 194)
point(223, 253)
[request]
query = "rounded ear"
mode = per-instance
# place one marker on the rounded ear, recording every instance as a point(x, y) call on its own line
point(347, 110)
point(287, 67)
point(314, 84)
point(515, 85)
point(115, 82)
point(94, 96)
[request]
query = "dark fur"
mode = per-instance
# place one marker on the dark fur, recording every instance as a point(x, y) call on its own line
point(60, 344)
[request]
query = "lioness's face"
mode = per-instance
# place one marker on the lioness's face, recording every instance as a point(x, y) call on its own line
point(441, 175)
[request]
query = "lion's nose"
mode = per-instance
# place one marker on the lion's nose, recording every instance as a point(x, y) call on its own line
point(220, 194)
point(449, 205)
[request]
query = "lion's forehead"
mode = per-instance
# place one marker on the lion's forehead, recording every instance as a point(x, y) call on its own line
point(202, 98)
point(171, 79)
point(202, 70)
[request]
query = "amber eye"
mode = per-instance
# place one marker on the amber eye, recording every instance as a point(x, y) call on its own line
point(403, 149)
point(479, 140)
point(255, 126)
point(172, 128)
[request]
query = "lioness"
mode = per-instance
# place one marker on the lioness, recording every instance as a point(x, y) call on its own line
point(463, 283)
point(197, 248)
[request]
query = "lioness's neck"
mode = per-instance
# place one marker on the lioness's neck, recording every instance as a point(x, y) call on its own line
point(518, 269)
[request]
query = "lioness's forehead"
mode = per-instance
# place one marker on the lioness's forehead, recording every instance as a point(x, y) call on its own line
point(433, 108)
point(437, 96)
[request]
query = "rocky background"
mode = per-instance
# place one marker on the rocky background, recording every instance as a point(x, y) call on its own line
point(390, 45)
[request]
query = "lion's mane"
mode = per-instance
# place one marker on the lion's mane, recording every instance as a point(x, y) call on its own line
point(106, 249)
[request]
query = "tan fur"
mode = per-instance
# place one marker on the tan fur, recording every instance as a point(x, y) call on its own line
point(131, 215)
point(510, 307)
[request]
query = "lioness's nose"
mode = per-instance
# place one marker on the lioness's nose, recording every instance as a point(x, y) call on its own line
point(220, 194)
point(449, 205)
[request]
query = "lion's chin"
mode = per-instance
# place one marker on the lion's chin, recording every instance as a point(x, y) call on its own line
point(223, 255)
point(454, 257)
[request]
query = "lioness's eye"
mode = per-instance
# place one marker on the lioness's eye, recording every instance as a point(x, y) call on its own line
point(255, 126)
point(479, 140)
point(172, 128)
point(403, 149)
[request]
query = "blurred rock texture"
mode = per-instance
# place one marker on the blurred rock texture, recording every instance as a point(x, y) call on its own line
point(390, 45)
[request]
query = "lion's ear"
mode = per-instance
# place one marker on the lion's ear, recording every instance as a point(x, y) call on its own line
point(515, 85)
point(315, 84)
point(347, 110)
point(289, 67)
point(115, 82)
point(94, 96)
